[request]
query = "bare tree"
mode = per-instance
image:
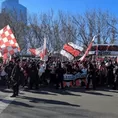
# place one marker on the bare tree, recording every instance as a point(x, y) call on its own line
point(63, 28)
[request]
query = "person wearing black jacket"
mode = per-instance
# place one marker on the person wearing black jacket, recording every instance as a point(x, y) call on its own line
point(110, 75)
point(15, 78)
point(8, 70)
point(91, 76)
point(59, 76)
point(33, 74)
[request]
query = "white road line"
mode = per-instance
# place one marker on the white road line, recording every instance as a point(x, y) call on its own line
point(5, 102)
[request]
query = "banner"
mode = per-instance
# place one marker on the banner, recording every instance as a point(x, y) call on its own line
point(71, 77)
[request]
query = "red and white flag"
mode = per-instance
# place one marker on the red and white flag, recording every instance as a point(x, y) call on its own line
point(40, 52)
point(71, 50)
point(66, 54)
point(8, 43)
point(43, 54)
point(35, 52)
point(88, 49)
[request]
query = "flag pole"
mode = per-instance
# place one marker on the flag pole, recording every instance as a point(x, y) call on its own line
point(88, 49)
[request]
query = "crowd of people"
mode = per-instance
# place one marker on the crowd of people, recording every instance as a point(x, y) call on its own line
point(35, 73)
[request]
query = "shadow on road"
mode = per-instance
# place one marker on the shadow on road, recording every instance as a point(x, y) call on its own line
point(15, 103)
point(39, 92)
point(21, 104)
point(92, 92)
point(48, 101)
point(107, 90)
point(6, 90)
point(9, 91)
point(50, 91)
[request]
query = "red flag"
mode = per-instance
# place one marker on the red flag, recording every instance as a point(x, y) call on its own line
point(73, 49)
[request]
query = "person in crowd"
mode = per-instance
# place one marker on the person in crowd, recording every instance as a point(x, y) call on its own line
point(102, 74)
point(3, 76)
point(42, 73)
point(15, 78)
point(59, 76)
point(69, 69)
point(25, 71)
point(115, 85)
point(22, 77)
point(8, 70)
point(52, 74)
point(91, 76)
point(110, 75)
point(33, 74)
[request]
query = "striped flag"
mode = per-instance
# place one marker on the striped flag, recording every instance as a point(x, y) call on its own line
point(66, 54)
point(71, 50)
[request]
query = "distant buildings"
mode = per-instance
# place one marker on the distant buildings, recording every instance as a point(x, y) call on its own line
point(17, 11)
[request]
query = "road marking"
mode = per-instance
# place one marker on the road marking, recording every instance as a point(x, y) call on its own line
point(5, 102)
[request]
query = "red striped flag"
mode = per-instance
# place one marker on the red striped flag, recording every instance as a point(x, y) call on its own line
point(71, 50)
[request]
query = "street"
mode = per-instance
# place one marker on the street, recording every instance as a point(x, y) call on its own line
point(51, 103)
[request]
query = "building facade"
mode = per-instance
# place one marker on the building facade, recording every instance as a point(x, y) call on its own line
point(17, 11)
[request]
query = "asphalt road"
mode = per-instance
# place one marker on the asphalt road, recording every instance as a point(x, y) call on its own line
point(51, 103)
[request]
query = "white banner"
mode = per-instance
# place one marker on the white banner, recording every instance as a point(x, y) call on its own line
point(71, 77)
